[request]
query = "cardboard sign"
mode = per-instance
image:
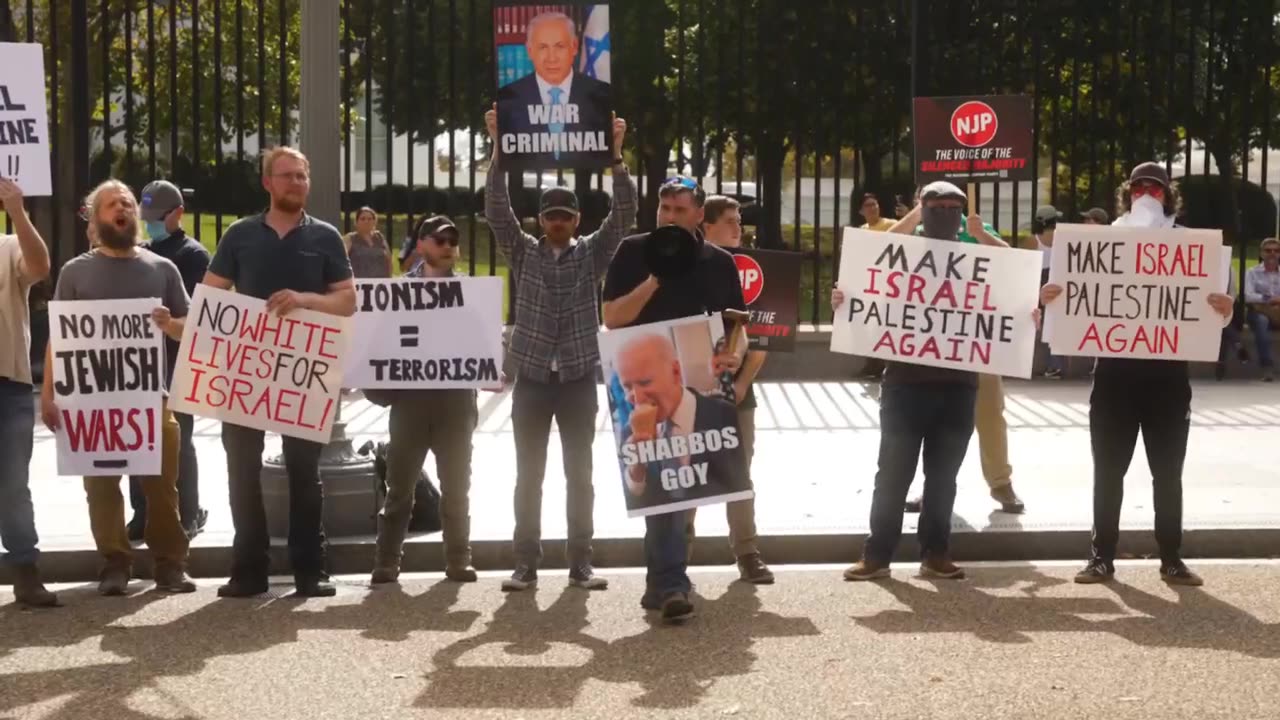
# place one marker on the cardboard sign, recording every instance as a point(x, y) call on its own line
point(240, 364)
point(426, 333)
point(933, 302)
point(1136, 292)
point(677, 436)
point(24, 118)
point(970, 139)
point(771, 288)
point(554, 93)
point(108, 382)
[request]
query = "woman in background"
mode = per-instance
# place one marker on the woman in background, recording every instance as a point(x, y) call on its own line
point(367, 248)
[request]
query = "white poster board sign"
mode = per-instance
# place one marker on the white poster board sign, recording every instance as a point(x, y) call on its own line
point(108, 383)
point(1138, 293)
point(932, 302)
point(240, 364)
point(426, 333)
point(24, 118)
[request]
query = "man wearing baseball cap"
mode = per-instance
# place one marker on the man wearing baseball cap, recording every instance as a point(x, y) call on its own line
point(554, 354)
point(162, 210)
point(1095, 216)
point(1043, 226)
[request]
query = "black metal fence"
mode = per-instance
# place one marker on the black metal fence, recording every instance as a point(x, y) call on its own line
point(799, 108)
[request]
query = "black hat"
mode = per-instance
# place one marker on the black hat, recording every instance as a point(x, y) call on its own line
point(558, 198)
point(432, 226)
point(670, 252)
point(1150, 171)
point(1097, 215)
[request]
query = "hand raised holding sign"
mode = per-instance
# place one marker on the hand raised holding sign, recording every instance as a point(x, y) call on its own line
point(1222, 304)
point(619, 134)
point(1049, 293)
point(283, 302)
point(11, 196)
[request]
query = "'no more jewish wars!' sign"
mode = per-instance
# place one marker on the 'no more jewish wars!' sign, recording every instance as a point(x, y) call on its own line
point(240, 364)
point(938, 303)
point(108, 370)
point(24, 118)
point(426, 333)
point(1135, 292)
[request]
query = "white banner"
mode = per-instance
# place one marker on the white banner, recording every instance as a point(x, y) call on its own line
point(24, 118)
point(932, 302)
point(1136, 292)
point(240, 364)
point(426, 333)
point(108, 383)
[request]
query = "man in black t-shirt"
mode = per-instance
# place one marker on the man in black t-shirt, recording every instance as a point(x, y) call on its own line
point(634, 296)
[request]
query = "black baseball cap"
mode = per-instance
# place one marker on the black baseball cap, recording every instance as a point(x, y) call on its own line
point(558, 198)
point(1152, 171)
point(159, 198)
point(1097, 215)
point(435, 225)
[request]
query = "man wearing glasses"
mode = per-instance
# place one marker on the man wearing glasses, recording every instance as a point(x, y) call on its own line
point(1262, 294)
point(634, 296)
point(554, 353)
point(871, 213)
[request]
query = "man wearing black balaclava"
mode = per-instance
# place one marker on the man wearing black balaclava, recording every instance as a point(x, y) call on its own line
point(925, 408)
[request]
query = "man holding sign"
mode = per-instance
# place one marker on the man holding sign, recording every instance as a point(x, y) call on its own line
point(292, 261)
point(1145, 393)
point(118, 270)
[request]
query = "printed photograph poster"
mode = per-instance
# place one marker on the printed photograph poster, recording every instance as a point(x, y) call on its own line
point(771, 287)
point(933, 302)
point(677, 436)
point(108, 383)
point(426, 333)
point(973, 138)
point(1136, 292)
point(24, 119)
point(554, 94)
point(240, 364)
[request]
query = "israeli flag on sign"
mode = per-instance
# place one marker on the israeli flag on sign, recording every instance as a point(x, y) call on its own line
point(595, 53)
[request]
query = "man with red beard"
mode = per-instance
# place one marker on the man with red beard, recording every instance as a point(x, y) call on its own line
point(292, 261)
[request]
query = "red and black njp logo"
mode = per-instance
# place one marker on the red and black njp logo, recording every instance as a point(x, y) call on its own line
point(771, 289)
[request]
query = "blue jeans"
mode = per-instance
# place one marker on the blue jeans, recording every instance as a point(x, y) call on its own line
point(664, 554)
point(938, 419)
point(1261, 326)
point(17, 433)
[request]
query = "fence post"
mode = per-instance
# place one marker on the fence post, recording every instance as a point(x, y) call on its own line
point(70, 245)
point(319, 100)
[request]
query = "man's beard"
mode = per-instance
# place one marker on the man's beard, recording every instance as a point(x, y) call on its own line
point(115, 239)
point(286, 203)
point(443, 263)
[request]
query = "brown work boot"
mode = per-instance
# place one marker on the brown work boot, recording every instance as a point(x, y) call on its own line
point(173, 578)
point(1008, 499)
point(29, 591)
point(866, 569)
point(939, 565)
point(383, 575)
point(751, 568)
point(462, 573)
point(114, 580)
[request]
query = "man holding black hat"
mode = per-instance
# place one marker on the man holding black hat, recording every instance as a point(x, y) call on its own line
point(554, 354)
point(162, 210)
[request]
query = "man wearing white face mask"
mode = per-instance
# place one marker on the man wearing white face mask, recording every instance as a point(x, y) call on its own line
point(1153, 396)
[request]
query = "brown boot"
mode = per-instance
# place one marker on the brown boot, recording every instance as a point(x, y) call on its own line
point(384, 574)
point(751, 568)
point(29, 591)
point(172, 578)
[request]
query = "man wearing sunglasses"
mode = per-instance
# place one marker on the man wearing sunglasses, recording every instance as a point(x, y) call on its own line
point(1262, 294)
point(553, 353)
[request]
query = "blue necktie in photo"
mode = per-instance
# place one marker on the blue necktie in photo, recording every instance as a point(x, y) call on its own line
point(556, 127)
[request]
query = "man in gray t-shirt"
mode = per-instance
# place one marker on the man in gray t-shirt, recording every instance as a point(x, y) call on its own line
point(119, 270)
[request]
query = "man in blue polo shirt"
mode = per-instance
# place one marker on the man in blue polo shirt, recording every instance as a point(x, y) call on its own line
point(292, 261)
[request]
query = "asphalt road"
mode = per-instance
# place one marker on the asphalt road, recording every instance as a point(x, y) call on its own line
point(1010, 642)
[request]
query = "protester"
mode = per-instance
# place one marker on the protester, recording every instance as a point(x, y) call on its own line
point(24, 261)
point(421, 421)
point(722, 227)
point(162, 211)
point(634, 296)
point(366, 247)
point(1043, 226)
point(871, 213)
point(293, 261)
point(1095, 216)
point(1131, 395)
point(554, 354)
point(118, 269)
point(921, 408)
point(1262, 295)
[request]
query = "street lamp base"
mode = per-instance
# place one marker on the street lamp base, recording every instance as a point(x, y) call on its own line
point(350, 504)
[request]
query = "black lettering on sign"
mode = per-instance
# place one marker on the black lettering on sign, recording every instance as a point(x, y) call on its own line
point(108, 370)
point(75, 327)
point(412, 295)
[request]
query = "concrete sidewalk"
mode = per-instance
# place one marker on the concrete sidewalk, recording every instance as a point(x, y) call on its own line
point(814, 470)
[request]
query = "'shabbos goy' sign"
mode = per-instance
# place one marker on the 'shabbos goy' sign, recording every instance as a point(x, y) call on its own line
point(1135, 292)
point(108, 375)
point(554, 94)
point(677, 435)
point(938, 303)
point(419, 333)
point(240, 364)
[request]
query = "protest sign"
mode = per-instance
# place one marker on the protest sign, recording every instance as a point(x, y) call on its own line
point(108, 374)
point(677, 436)
point(426, 333)
point(936, 302)
point(240, 364)
point(24, 118)
point(771, 287)
point(554, 95)
point(970, 139)
point(1136, 292)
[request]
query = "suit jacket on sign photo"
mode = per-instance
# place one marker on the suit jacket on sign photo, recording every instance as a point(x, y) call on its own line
point(592, 98)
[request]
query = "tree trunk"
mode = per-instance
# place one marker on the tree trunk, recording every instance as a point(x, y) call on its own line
point(771, 156)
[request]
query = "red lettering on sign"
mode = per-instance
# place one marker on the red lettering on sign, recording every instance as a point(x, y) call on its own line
point(1170, 260)
point(751, 275)
point(904, 345)
point(1117, 339)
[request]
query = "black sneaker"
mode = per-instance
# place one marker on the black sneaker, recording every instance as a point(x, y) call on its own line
point(914, 504)
point(676, 607)
point(1053, 374)
point(1177, 573)
point(239, 588)
point(195, 526)
point(523, 578)
point(650, 600)
point(137, 528)
point(1097, 571)
point(584, 577)
point(313, 587)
